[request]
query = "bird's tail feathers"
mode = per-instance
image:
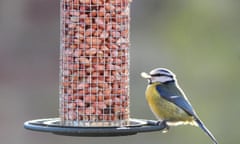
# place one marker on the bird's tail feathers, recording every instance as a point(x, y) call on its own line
point(204, 128)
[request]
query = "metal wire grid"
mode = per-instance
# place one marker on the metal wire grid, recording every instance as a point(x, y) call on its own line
point(94, 62)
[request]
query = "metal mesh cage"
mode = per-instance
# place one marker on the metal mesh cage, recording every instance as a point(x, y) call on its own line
point(94, 62)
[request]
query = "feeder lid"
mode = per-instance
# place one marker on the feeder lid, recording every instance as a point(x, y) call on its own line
point(54, 125)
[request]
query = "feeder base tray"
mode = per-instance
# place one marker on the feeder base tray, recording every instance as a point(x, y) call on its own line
point(53, 125)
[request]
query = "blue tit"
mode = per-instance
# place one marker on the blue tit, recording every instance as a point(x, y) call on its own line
point(168, 102)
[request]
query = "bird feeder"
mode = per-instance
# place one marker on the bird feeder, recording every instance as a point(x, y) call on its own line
point(94, 72)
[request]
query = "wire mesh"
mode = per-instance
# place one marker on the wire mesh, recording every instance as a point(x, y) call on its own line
point(94, 62)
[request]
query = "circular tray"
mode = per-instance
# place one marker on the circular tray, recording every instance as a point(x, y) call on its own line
point(53, 125)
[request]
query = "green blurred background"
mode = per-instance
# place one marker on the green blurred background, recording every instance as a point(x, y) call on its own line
point(198, 40)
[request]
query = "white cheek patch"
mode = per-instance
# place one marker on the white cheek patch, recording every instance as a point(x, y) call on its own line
point(161, 79)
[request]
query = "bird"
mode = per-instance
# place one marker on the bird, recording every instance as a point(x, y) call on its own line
point(168, 102)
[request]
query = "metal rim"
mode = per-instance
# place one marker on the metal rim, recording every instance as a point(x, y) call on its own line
point(53, 125)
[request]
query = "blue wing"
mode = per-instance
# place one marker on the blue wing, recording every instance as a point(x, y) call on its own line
point(173, 94)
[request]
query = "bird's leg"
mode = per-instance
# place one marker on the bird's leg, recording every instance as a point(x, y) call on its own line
point(164, 122)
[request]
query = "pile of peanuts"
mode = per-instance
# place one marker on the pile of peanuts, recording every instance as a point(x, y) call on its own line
point(94, 60)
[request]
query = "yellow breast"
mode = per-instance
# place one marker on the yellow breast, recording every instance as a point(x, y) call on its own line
point(163, 109)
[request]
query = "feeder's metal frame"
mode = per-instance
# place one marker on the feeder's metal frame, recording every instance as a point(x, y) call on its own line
point(53, 125)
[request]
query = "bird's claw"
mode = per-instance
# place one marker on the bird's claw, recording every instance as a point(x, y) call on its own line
point(160, 123)
point(164, 123)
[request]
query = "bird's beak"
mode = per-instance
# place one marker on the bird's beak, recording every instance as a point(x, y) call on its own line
point(145, 75)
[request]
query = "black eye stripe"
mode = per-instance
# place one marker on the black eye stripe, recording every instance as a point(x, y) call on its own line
point(157, 75)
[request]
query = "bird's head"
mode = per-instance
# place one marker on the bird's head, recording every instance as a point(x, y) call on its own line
point(161, 75)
